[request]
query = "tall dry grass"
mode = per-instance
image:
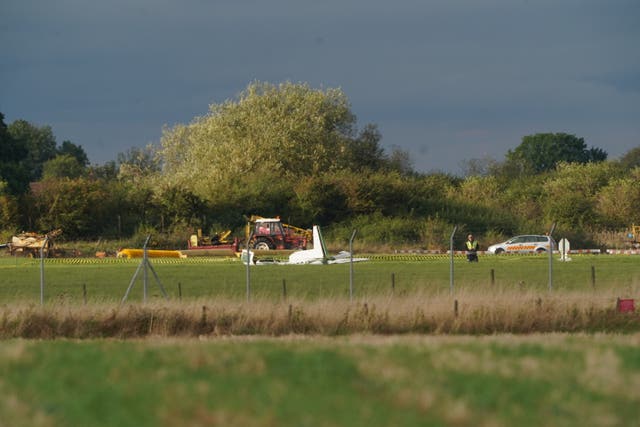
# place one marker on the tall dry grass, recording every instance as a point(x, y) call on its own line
point(470, 312)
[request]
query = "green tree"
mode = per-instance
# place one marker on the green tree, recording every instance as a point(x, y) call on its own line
point(478, 166)
point(400, 161)
point(181, 207)
point(323, 198)
point(76, 151)
point(618, 203)
point(543, 151)
point(14, 176)
point(289, 130)
point(571, 193)
point(136, 164)
point(107, 171)
point(62, 166)
point(8, 211)
point(40, 144)
point(631, 159)
point(523, 198)
point(481, 190)
point(70, 204)
point(365, 152)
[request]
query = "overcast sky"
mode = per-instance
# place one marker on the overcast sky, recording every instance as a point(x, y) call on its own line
point(446, 80)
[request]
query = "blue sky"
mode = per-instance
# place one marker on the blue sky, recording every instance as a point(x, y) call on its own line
point(446, 80)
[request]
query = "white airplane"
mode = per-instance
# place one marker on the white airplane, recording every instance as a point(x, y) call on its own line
point(317, 255)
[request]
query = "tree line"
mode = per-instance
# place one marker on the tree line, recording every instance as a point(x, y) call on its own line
point(297, 152)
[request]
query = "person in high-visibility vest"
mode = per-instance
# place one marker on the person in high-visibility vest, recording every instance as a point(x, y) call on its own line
point(472, 249)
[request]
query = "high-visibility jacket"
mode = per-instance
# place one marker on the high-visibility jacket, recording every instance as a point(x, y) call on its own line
point(472, 245)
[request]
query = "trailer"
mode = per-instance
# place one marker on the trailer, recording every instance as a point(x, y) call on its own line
point(31, 244)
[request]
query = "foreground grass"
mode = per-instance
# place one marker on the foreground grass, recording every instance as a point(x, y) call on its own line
point(504, 380)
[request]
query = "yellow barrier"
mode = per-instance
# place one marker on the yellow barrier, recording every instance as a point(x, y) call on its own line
point(151, 253)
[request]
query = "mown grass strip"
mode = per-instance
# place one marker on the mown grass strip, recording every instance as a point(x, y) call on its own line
point(217, 277)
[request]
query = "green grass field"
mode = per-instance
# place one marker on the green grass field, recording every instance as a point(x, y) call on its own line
point(108, 279)
point(397, 355)
point(551, 380)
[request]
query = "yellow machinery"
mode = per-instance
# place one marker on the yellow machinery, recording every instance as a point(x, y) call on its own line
point(151, 253)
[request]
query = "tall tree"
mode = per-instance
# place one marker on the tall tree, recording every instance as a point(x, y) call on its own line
point(543, 151)
point(631, 159)
point(571, 192)
point(137, 163)
point(63, 166)
point(289, 130)
point(40, 144)
point(14, 175)
point(366, 152)
point(618, 201)
point(76, 151)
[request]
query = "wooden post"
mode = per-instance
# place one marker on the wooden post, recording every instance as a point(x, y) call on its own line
point(393, 282)
point(455, 308)
point(180, 291)
point(203, 319)
point(493, 277)
point(593, 276)
point(84, 293)
point(284, 289)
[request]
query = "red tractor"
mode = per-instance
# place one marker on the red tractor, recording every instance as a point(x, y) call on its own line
point(271, 233)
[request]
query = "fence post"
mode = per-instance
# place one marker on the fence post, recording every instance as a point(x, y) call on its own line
point(353, 235)
point(553, 227)
point(284, 289)
point(593, 276)
point(180, 291)
point(46, 239)
point(493, 277)
point(455, 308)
point(393, 282)
point(84, 293)
point(248, 267)
point(455, 228)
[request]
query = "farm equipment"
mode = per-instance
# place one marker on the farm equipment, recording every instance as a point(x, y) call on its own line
point(218, 244)
point(271, 233)
point(264, 234)
point(30, 244)
point(633, 234)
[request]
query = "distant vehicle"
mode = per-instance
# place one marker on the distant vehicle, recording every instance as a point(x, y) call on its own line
point(523, 244)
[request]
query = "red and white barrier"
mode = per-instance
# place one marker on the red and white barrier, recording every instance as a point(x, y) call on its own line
point(623, 251)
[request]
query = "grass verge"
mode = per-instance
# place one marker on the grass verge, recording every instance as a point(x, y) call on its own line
point(466, 313)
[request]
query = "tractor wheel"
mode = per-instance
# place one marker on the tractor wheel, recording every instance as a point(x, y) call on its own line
point(262, 245)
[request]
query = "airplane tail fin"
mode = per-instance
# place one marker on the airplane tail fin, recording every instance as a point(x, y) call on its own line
point(318, 240)
point(317, 254)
